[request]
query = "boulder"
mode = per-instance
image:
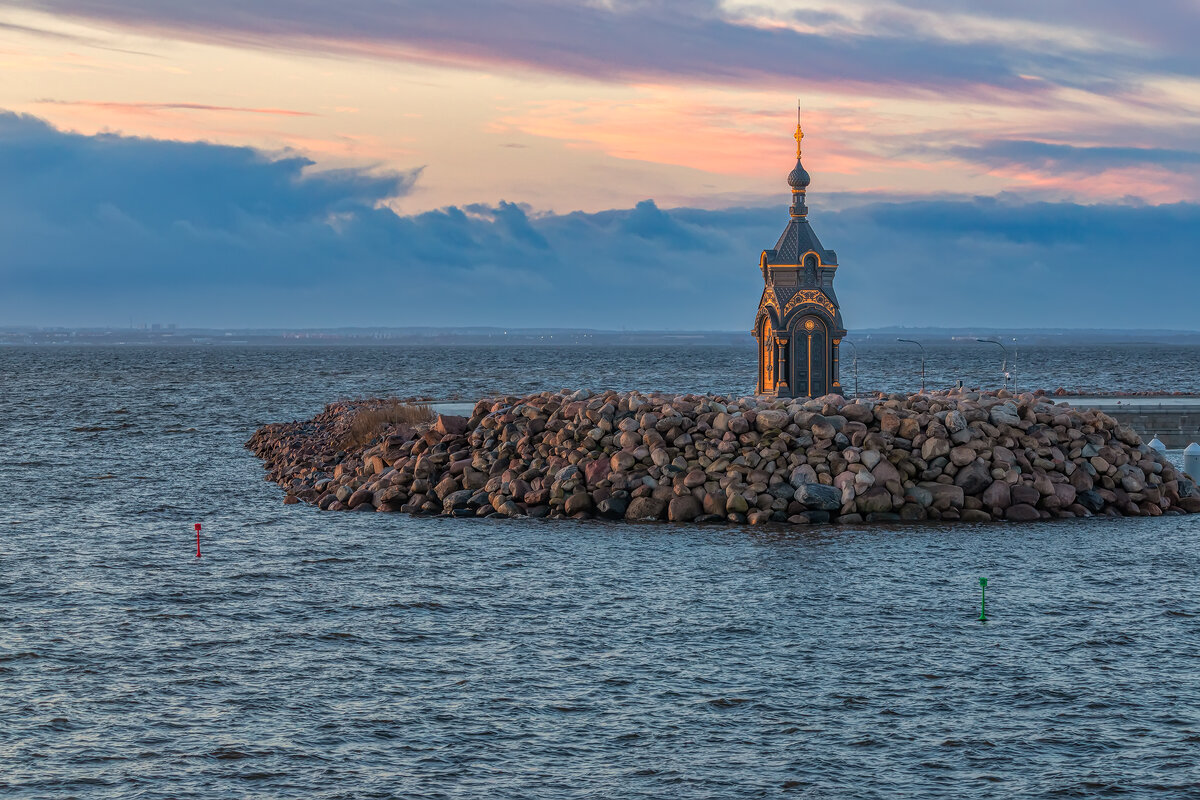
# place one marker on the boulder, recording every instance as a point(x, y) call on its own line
point(715, 502)
point(597, 471)
point(736, 504)
point(1091, 500)
point(645, 508)
point(973, 478)
point(771, 420)
point(450, 424)
point(1022, 512)
point(944, 495)
point(819, 496)
point(997, 495)
point(683, 509)
point(454, 500)
point(577, 503)
point(885, 471)
point(823, 430)
point(962, 455)
point(874, 500)
point(918, 496)
point(1024, 494)
point(622, 461)
point(935, 448)
point(1005, 414)
point(858, 412)
point(612, 507)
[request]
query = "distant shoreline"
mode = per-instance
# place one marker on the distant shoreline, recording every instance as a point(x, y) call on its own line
point(558, 337)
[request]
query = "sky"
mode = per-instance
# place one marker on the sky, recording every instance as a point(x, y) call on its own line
point(609, 164)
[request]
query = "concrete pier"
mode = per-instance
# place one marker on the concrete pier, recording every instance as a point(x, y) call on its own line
point(1174, 420)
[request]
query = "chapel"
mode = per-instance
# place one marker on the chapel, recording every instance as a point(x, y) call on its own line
point(799, 324)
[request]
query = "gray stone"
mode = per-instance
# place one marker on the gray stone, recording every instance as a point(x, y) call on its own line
point(801, 475)
point(771, 420)
point(875, 500)
point(1005, 414)
point(645, 508)
point(885, 471)
point(973, 478)
point(945, 495)
point(935, 448)
point(1022, 512)
point(1023, 493)
point(455, 500)
point(919, 496)
point(998, 495)
point(612, 507)
point(961, 456)
point(819, 496)
point(683, 509)
point(1091, 500)
point(577, 503)
point(858, 412)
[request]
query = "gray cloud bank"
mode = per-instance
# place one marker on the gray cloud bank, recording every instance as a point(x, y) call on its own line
point(95, 229)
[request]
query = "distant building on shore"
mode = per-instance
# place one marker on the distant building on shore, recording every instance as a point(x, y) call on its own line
point(799, 324)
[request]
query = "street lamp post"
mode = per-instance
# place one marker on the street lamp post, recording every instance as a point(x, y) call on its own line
point(1003, 364)
point(855, 349)
point(918, 344)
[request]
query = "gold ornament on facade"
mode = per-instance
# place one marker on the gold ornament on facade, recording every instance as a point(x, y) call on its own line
point(814, 296)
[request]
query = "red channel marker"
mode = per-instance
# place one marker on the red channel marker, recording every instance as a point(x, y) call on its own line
point(197, 540)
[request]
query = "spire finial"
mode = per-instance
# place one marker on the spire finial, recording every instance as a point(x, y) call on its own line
point(799, 133)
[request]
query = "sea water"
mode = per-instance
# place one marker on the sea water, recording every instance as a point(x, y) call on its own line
point(323, 655)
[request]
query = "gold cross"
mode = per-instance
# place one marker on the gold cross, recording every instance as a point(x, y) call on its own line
point(798, 136)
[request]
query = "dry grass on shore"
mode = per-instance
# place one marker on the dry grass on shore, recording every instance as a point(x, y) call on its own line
point(372, 420)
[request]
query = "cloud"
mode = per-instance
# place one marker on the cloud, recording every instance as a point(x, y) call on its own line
point(59, 36)
point(95, 229)
point(1072, 158)
point(909, 48)
point(152, 107)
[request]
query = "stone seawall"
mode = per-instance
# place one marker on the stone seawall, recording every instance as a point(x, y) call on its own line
point(1174, 420)
point(967, 456)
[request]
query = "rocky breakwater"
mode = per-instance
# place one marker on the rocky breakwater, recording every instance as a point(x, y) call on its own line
point(967, 456)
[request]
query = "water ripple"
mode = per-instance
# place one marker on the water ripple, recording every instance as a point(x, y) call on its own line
point(310, 655)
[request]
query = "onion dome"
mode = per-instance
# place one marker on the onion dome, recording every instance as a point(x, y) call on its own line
point(798, 177)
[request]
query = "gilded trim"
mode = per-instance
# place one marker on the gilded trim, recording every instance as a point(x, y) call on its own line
point(813, 297)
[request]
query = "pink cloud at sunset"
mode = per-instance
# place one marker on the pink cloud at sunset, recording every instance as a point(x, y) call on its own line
point(692, 100)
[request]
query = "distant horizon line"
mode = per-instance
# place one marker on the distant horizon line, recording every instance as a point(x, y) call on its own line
point(170, 328)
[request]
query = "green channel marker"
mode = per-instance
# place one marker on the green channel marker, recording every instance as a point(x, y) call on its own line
point(983, 599)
